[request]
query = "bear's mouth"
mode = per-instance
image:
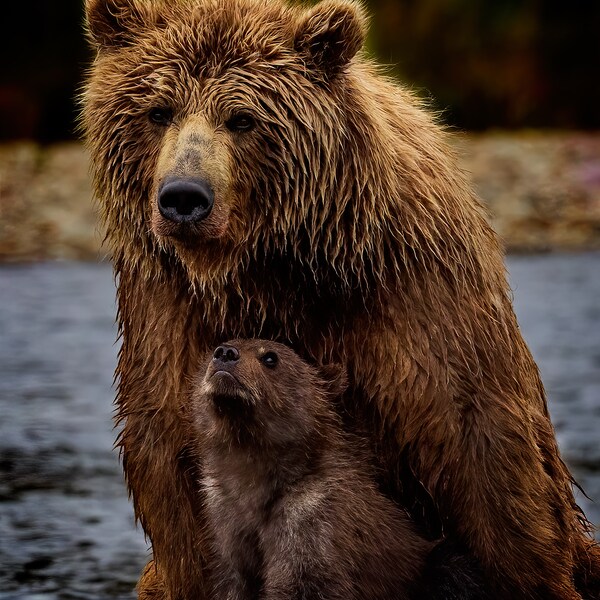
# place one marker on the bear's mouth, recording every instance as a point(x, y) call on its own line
point(225, 383)
point(191, 235)
point(224, 375)
point(228, 395)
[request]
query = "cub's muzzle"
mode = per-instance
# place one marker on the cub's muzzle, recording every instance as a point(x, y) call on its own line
point(185, 200)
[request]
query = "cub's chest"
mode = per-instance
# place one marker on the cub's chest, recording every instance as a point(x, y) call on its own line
point(242, 499)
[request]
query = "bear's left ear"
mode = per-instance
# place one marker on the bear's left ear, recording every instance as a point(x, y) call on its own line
point(329, 35)
point(111, 23)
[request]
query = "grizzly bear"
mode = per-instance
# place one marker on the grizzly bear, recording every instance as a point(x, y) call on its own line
point(259, 177)
point(291, 505)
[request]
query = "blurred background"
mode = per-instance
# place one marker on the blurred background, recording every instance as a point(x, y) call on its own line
point(495, 63)
point(517, 82)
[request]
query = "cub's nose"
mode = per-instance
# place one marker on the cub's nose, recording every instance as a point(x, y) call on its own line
point(226, 354)
point(185, 200)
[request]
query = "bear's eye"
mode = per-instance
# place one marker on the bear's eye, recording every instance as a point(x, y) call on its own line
point(269, 359)
point(161, 116)
point(240, 122)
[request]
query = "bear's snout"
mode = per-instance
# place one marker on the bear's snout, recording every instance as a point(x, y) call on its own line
point(185, 200)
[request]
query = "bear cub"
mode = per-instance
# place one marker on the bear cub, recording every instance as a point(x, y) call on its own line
point(292, 508)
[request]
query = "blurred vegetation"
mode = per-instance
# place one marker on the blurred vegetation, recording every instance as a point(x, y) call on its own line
point(44, 53)
point(486, 63)
point(501, 63)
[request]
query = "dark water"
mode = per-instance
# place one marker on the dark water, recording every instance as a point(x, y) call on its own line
point(66, 527)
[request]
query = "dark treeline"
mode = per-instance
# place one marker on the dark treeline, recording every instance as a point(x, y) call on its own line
point(44, 53)
point(485, 63)
point(497, 63)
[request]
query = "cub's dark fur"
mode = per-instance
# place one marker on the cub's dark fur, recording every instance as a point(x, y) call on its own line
point(292, 508)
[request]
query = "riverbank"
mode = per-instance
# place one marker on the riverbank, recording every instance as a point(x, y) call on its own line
point(542, 190)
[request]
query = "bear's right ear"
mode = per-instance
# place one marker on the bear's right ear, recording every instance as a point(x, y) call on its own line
point(329, 35)
point(110, 23)
point(335, 378)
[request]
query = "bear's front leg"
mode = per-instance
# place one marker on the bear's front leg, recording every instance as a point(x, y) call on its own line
point(480, 442)
point(151, 586)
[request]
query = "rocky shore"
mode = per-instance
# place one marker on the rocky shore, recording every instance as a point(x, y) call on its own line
point(46, 206)
point(542, 191)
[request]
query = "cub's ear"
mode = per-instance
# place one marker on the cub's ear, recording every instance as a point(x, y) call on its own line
point(330, 34)
point(110, 23)
point(335, 378)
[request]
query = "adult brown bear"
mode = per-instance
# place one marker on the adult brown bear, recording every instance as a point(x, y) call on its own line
point(260, 178)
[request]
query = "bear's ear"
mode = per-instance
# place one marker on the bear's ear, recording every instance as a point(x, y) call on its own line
point(330, 34)
point(110, 23)
point(335, 378)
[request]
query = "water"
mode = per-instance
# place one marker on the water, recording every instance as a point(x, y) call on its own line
point(557, 300)
point(66, 527)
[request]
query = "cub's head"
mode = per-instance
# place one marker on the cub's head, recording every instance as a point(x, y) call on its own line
point(220, 125)
point(261, 393)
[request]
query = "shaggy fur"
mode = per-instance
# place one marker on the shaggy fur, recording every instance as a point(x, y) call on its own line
point(290, 503)
point(342, 227)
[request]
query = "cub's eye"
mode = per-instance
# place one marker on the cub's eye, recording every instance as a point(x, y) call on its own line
point(241, 122)
point(161, 116)
point(270, 359)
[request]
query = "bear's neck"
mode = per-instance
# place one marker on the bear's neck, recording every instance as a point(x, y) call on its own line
point(273, 298)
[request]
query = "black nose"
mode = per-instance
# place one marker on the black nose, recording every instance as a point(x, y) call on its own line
point(185, 200)
point(226, 354)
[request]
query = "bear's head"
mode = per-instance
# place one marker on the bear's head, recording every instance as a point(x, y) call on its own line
point(260, 393)
point(220, 129)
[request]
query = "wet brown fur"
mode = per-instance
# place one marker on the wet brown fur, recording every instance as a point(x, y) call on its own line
point(342, 227)
point(291, 505)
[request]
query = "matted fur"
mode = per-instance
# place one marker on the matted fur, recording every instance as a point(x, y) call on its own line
point(342, 227)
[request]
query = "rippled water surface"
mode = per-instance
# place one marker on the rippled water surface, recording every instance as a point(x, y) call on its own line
point(66, 527)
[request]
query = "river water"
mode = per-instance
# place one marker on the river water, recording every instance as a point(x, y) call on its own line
point(66, 526)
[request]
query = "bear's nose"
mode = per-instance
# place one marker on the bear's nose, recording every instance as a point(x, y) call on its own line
point(185, 200)
point(225, 354)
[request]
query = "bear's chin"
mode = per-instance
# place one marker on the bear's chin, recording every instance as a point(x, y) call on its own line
point(230, 402)
point(224, 387)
